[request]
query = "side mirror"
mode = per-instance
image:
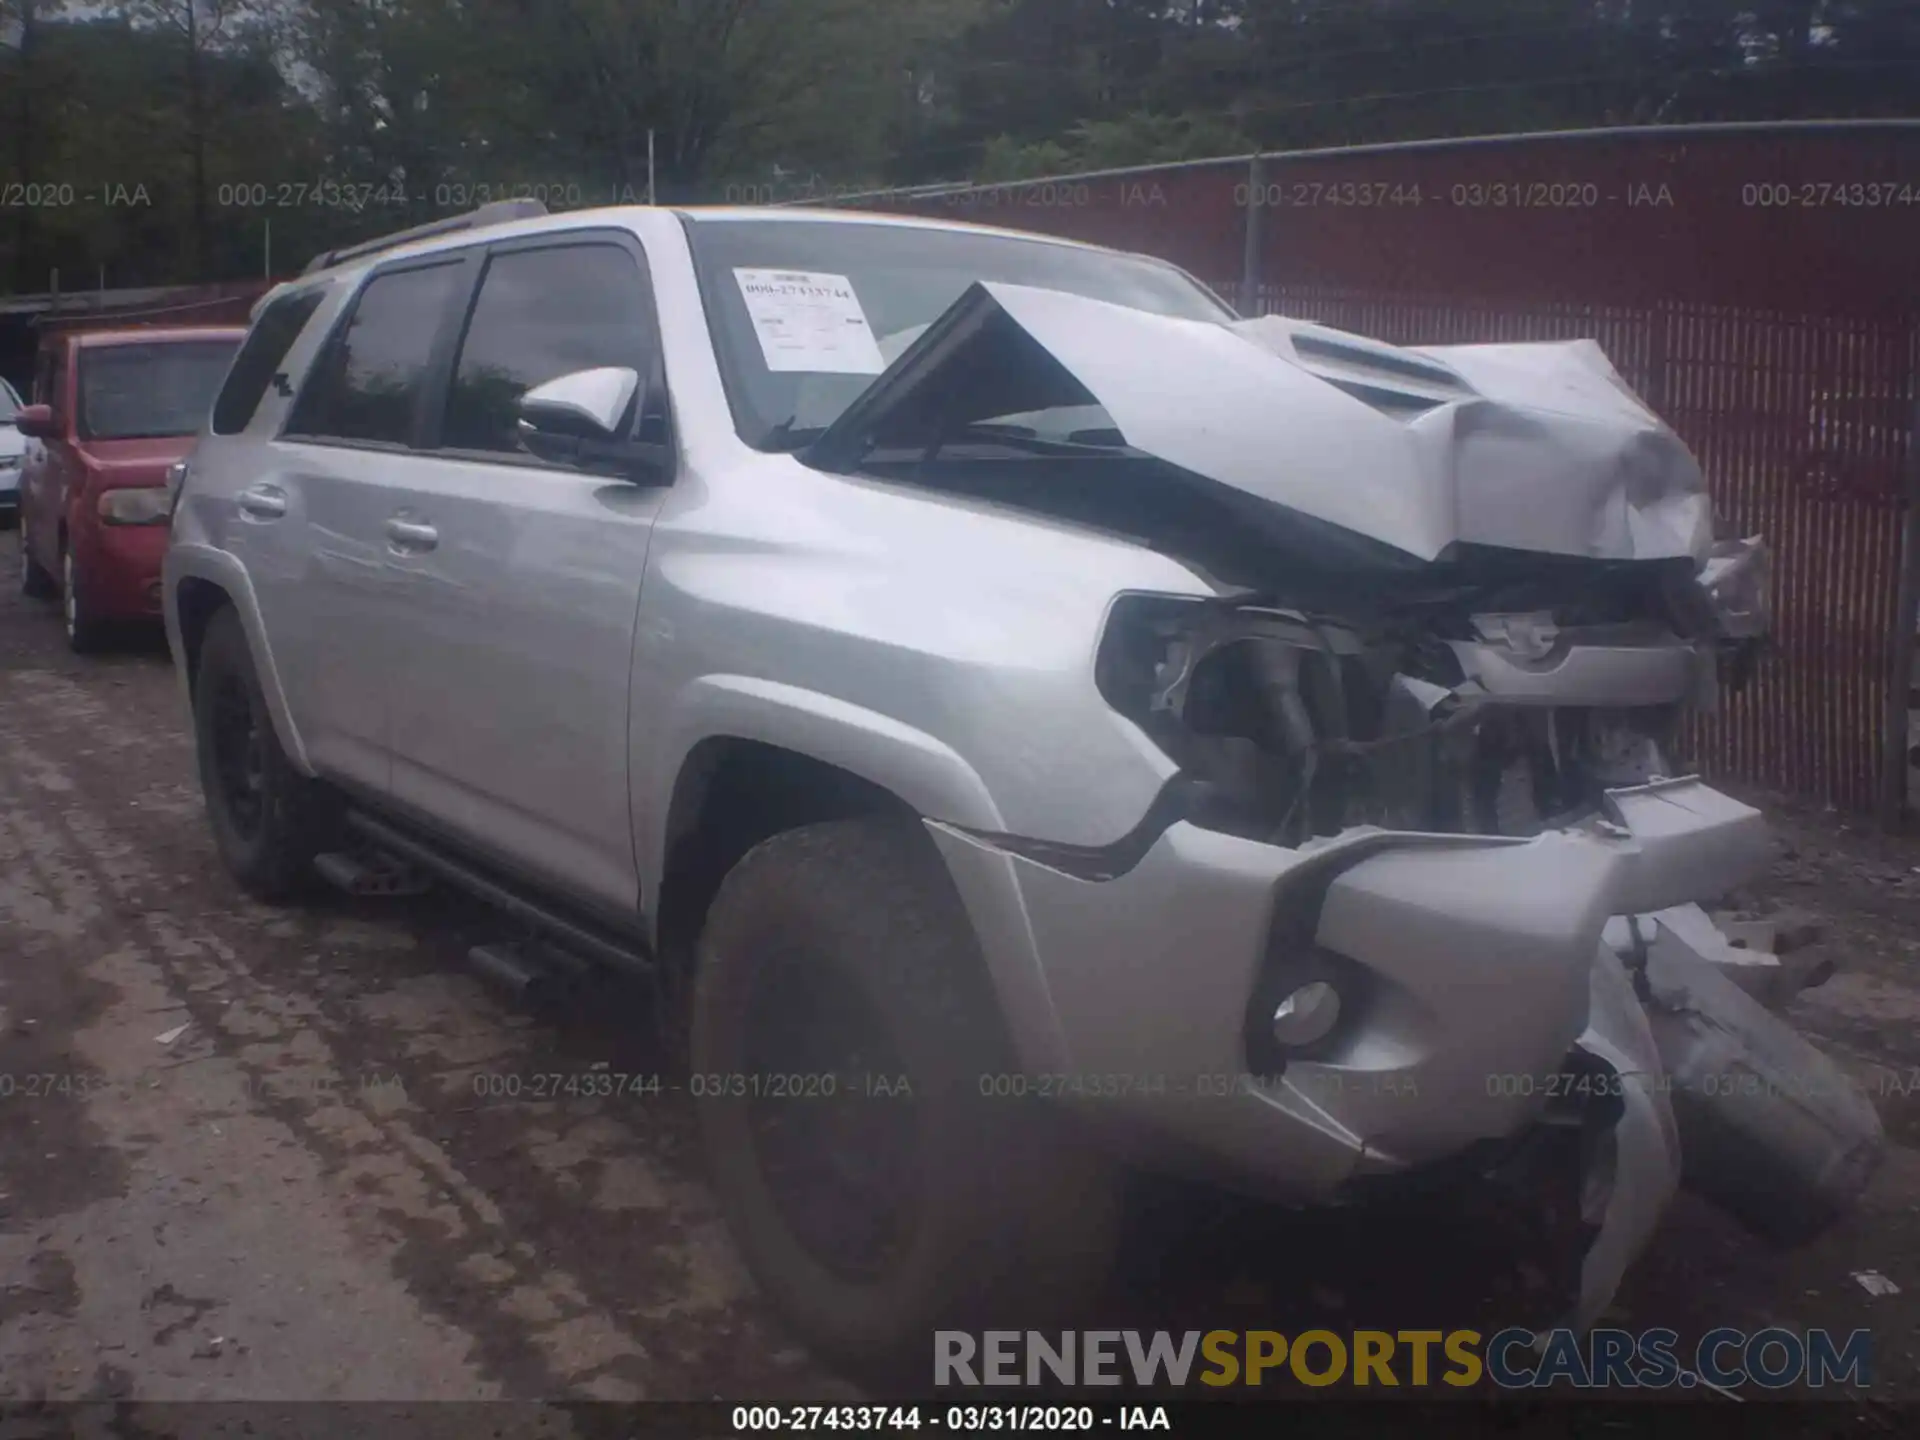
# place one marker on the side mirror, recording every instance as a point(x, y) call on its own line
point(582, 419)
point(37, 422)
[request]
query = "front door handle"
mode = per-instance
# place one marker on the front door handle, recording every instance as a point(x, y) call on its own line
point(412, 535)
point(263, 502)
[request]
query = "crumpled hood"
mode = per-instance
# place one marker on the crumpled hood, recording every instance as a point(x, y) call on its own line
point(1527, 447)
point(1535, 446)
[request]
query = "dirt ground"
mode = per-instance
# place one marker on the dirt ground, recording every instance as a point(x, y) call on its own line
point(263, 1155)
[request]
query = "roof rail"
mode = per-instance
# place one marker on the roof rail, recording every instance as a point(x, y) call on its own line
point(499, 212)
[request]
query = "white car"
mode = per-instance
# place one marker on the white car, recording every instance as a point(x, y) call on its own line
point(13, 452)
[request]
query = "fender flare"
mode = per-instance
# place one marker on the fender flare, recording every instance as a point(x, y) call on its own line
point(216, 567)
point(925, 773)
point(922, 771)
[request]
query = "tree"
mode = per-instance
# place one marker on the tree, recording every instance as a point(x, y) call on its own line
point(198, 29)
point(730, 88)
point(21, 24)
point(404, 94)
point(424, 106)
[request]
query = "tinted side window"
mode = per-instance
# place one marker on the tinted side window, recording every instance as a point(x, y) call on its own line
point(541, 314)
point(260, 355)
point(367, 381)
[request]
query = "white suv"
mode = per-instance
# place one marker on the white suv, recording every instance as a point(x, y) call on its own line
point(1034, 720)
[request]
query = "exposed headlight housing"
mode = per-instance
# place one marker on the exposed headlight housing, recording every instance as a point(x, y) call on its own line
point(1287, 725)
point(1271, 711)
point(140, 505)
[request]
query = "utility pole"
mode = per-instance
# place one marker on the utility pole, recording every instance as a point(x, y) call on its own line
point(1254, 237)
point(23, 138)
point(650, 165)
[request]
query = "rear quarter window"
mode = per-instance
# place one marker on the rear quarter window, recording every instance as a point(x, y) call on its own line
point(260, 358)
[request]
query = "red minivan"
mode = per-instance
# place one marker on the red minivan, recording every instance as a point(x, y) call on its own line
point(112, 409)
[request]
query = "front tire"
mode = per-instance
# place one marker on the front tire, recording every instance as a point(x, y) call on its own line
point(871, 1217)
point(86, 634)
point(268, 820)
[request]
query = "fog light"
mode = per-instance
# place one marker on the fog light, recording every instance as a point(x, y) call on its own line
point(1307, 1014)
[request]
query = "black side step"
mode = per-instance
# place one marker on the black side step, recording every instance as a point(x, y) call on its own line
point(506, 968)
point(530, 973)
point(565, 934)
point(369, 875)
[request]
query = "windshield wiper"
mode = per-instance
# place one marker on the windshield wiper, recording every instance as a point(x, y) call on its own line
point(1000, 430)
point(1020, 439)
point(786, 437)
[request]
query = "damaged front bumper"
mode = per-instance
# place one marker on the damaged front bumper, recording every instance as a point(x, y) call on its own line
point(1472, 978)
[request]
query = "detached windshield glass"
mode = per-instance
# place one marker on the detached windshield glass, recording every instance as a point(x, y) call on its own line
point(805, 313)
point(140, 392)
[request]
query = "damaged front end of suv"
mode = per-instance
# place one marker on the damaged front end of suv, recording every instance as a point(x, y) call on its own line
point(1424, 729)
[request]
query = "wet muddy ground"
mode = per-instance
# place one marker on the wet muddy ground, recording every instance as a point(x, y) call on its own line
point(249, 1154)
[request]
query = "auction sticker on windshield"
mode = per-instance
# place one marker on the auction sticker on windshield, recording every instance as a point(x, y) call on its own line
point(810, 322)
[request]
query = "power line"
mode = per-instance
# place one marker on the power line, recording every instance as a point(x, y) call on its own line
point(1269, 69)
point(1254, 35)
point(1665, 80)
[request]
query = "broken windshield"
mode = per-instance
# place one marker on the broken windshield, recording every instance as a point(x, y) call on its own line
point(805, 313)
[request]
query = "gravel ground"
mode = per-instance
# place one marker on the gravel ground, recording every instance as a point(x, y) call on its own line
point(249, 1154)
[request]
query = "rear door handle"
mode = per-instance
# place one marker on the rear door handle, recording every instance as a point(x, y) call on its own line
point(412, 535)
point(263, 502)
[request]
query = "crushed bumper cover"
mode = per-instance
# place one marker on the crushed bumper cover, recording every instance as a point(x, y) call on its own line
point(1486, 969)
point(1772, 1130)
point(1633, 1174)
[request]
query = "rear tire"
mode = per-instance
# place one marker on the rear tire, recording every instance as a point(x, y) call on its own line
point(269, 820)
point(842, 949)
point(35, 581)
